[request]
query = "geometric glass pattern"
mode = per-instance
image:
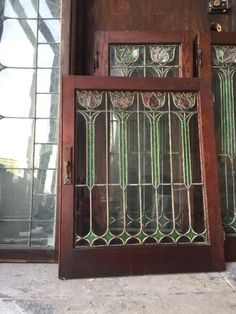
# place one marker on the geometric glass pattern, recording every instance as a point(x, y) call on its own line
point(29, 80)
point(137, 168)
point(224, 88)
point(145, 60)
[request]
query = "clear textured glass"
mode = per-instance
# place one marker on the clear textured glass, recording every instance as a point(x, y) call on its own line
point(21, 9)
point(49, 8)
point(16, 138)
point(45, 181)
point(18, 39)
point(48, 55)
point(46, 131)
point(45, 156)
point(15, 197)
point(42, 233)
point(48, 81)
point(47, 106)
point(14, 233)
point(49, 31)
point(29, 80)
point(21, 102)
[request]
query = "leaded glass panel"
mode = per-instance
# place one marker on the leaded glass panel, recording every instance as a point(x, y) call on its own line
point(29, 80)
point(224, 87)
point(145, 60)
point(148, 188)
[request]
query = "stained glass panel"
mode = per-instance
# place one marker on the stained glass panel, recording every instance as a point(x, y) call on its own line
point(145, 60)
point(224, 87)
point(145, 189)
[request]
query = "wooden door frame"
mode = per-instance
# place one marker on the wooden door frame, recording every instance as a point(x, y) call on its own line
point(105, 38)
point(204, 69)
point(149, 259)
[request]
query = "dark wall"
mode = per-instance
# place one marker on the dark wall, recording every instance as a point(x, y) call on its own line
point(139, 15)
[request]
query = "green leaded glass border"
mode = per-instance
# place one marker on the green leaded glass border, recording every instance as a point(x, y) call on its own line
point(224, 88)
point(138, 177)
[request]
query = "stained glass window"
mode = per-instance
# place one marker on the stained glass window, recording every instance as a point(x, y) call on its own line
point(138, 176)
point(224, 87)
point(145, 60)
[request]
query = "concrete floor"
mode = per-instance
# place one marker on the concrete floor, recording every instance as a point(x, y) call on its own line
point(34, 288)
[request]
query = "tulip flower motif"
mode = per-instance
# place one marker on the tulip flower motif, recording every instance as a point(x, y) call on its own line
point(162, 54)
point(127, 54)
point(225, 55)
point(122, 100)
point(184, 101)
point(89, 99)
point(153, 100)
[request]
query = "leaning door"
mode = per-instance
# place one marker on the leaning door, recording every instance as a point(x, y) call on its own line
point(139, 178)
point(218, 51)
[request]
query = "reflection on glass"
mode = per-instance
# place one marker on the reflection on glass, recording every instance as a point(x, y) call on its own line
point(16, 149)
point(42, 233)
point(13, 39)
point(29, 45)
point(43, 207)
point(46, 131)
point(17, 92)
point(15, 193)
point(44, 181)
point(22, 9)
point(45, 156)
point(49, 31)
point(14, 233)
point(49, 8)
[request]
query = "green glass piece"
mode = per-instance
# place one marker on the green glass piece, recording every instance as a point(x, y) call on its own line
point(90, 237)
point(141, 236)
point(158, 235)
point(191, 234)
point(108, 236)
point(175, 235)
point(125, 236)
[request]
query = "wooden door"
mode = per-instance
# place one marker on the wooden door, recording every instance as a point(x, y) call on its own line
point(218, 65)
point(129, 206)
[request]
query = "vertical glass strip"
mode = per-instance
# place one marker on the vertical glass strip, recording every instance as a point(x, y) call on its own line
point(224, 61)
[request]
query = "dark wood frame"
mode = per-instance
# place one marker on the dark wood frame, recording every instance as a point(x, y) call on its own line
point(104, 39)
point(204, 68)
point(133, 260)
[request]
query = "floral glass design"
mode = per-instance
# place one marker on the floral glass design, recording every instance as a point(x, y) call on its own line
point(145, 60)
point(224, 88)
point(142, 160)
